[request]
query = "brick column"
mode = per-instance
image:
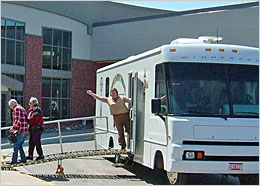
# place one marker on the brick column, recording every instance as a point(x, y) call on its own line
point(33, 69)
point(83, 78)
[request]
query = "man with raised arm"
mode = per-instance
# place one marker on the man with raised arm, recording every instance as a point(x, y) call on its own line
point(119, 111)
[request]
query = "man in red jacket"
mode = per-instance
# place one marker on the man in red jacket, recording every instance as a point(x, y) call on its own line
point(35, 118)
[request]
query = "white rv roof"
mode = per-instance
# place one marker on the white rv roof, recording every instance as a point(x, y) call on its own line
point(200, 53)
point(211, 53)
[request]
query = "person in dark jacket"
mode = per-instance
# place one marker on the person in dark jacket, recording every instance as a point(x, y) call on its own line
point(35, 118)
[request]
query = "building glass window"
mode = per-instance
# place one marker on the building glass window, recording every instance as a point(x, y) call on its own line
point(56, 49)
point(57, 38)
point(56, 98)
point(3, 28)
point(46, 55)
point(46, 90)
point(67, 39)
point(19, 53)
point(47, 36)
point(65, 88)
point(2, 51)
point(13, 42)
point(10, 29)
point(20, 31)
point(10, 53)
point(56, 58)
point(66, 59)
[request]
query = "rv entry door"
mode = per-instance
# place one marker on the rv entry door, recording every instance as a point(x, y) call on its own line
point(132, 92)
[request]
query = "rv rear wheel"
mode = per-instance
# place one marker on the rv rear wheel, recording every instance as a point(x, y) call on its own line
point(175, 178)
point(249, 179)
point(117, 158)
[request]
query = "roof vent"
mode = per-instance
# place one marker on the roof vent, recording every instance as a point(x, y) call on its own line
point(210, 39)
point(200, 40)
point(186, 41)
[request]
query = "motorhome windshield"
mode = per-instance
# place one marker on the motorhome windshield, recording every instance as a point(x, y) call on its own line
point(212, 89)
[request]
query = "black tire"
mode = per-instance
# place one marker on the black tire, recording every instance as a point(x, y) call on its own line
point(117, 158)
point(129, 161)
point(249, 179)
point(177, 178)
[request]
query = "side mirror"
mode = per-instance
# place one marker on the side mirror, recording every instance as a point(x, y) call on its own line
point(156, 106)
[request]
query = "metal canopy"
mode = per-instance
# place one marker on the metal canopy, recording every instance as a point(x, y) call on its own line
point(90, 12)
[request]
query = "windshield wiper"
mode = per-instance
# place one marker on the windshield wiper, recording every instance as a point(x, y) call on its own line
point(237, 113)
point(199, 112)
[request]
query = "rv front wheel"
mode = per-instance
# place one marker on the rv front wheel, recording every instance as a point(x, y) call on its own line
point(175, 178)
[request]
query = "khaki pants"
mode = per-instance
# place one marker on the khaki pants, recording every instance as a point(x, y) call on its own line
point(122, 121)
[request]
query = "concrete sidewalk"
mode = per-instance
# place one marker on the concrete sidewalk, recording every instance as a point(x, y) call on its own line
point(18, 178)
point(22, 177)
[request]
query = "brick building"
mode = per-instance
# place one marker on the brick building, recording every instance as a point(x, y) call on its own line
point(52, 49)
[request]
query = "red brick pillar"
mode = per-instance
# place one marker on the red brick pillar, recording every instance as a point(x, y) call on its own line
point(33, 69)
point(83, 78)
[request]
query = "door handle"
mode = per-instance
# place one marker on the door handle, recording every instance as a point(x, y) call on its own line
point(131, 113)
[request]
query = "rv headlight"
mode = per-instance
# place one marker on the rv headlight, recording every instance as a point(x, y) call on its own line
point(189, 155)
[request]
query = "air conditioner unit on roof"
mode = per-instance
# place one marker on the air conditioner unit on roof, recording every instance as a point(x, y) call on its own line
point(200, 40)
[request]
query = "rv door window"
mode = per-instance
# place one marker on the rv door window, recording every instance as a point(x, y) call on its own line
point(160, 87)
point(107, 87)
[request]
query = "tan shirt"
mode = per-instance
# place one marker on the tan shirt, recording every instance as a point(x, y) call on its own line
point(117, 107)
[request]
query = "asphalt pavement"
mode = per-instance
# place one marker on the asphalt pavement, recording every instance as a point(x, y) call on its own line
point(94, 170)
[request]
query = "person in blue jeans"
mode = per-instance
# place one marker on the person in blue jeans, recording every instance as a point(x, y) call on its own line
point(20, 128)
point(18, 146)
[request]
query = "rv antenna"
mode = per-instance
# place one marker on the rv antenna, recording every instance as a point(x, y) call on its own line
point(217, 34)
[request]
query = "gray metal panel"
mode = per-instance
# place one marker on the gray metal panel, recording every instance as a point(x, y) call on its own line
point(12, 69)
point(56, 74)
point(89, 12)
point(119, 41)
point(11, 83)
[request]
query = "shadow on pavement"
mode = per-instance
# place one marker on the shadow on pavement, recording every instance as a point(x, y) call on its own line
point(159, 178)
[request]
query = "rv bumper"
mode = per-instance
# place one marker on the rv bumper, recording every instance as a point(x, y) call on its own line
point(213, 167)
point(214, 159)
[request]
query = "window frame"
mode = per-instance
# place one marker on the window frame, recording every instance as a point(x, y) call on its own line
point(60, 47)
point(6, 39)
point(59, 99)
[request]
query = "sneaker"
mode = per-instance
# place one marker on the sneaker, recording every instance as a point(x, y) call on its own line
point(40, 157)
point(10, 162)
point(22, 161)
point(29, 158)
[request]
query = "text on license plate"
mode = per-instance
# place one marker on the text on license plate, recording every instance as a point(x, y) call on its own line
point(235, 166)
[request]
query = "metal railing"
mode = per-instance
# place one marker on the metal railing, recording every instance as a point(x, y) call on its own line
point(60, 137)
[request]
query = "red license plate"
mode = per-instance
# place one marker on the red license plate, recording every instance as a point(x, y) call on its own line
point(235, 166)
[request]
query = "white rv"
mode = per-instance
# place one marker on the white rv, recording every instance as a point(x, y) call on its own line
point(195, 108)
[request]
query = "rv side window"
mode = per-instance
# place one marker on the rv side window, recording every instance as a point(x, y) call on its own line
point(107, 87)
point(160, 88)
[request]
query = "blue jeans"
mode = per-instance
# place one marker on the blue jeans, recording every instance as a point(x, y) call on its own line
point(18, 146)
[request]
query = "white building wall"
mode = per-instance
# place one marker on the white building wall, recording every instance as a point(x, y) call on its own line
point(35, 19)
point(119, 41)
